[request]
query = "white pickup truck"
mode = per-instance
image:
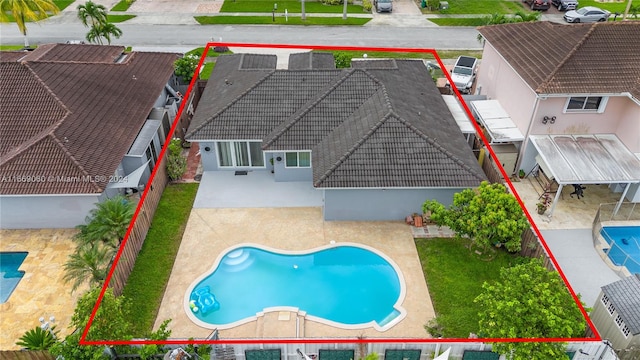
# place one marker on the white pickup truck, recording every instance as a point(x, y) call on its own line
point(463, 73)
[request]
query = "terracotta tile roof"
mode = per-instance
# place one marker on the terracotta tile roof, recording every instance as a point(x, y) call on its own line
point(375, 126)
point(575, 59)
point(74, 118)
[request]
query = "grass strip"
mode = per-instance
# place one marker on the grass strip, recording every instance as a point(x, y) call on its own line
point(262, 6)
point(148, 280)
point(455, 275)
point(119, 18)
point(279, 20)
point(459, 21)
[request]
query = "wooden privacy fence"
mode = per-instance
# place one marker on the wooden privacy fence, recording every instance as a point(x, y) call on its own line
point(139, 231)
point(532, 248)
point(490, 169)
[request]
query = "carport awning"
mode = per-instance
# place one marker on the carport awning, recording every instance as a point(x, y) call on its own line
point(495, 119)
point(465, 125)
point(587, 159)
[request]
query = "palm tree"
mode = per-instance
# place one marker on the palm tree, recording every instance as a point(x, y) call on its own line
point(106, 30)
point(93, 13)
point(107, 223)
point(24, 11)
point(88, 263)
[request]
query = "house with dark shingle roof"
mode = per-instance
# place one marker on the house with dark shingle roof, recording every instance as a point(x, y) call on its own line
point(553, 79)
point(616, 313)
point(377, 139)
point(79, 123)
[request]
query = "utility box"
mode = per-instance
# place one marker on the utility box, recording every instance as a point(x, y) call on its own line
point(444, 5)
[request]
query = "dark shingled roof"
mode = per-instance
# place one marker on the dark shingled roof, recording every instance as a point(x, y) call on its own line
point(581, 59)
point(383, 124)
point(625, 296)
point(71, 118)
point(311, 60)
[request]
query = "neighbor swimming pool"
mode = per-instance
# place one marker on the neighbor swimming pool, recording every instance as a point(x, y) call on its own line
point(349, 286)
point(10, 276)
point(624, 246)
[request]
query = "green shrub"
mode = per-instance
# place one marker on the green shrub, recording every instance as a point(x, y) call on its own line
point(38, 339)
point(366, 5)
point(176, 163)
point(185, 67)
point(343, 59)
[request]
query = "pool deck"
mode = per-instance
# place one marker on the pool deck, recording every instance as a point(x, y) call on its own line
point(210, 232)
point(41, 292)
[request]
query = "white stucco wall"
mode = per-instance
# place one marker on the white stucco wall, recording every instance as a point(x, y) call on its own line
point(45, 211)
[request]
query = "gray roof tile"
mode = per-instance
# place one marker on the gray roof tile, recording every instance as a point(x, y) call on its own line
point(625, 296)
point(386, 126)
point(311, 60)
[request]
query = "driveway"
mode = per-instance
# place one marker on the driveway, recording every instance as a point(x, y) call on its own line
point(405, 14)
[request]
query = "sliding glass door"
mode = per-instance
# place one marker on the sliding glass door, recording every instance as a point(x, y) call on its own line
point(240, 154)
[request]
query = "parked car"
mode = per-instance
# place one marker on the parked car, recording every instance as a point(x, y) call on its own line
point(463, 73)
point(564, 5)
point(383, 5)
point(539, 4)
point(586, 14)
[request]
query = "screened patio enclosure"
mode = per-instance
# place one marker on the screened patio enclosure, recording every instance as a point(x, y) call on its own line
point(587, 159)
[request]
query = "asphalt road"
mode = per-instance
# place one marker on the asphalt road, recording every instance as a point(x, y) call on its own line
point(147, 35)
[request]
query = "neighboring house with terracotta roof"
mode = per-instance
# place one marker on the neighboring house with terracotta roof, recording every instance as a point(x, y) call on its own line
point(79, 123)
point(377, 139)
point(616, 313)
point(557, 82)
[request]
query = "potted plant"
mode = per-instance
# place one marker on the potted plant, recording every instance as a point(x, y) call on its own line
point(521, 174)
point(544, 203)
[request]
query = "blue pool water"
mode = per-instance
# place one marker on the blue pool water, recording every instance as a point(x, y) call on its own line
point(343, 284)
point(624, 242)
point(10, 276)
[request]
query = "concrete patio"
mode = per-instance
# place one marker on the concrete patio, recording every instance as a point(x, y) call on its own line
point(41, 292)
point(210, 232)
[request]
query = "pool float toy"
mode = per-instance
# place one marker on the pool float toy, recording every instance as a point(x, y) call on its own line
point(203, 300)
point(625, 241)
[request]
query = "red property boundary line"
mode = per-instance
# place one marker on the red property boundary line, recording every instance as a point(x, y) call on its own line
point(479, 132)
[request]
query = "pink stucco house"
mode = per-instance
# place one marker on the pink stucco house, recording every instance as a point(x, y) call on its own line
point(573, 92)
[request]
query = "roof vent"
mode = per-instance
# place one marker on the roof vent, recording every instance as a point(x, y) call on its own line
point(121, 58)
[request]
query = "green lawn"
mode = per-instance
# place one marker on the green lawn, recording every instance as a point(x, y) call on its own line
point(459, 21)
point(455, 276)
point(611, 6)
point(151, 272)
point(63, 4)
point(119, 18)
point(444, 54)
point(481, 7)
point(279, 20)
point(11, 47)
point(262, 6)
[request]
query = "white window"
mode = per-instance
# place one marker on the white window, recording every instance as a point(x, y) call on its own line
point(300, 159)
point(586, 104)
point(240, 154)
point(625, 330)
point(611, 309)
point(619, 321)
point(605, 299)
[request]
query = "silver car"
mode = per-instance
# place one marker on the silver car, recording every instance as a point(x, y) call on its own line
point(383, 5)
point(586, 14)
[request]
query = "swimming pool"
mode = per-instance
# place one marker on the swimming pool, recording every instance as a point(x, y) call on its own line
point(624, 246)
point(10, 276)
point(349, 286)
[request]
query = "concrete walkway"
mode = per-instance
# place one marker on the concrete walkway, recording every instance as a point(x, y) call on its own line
point(581, 264)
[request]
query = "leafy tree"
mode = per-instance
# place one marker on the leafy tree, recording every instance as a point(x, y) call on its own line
point(92, 14)
point(487, 215)
point(343, 59)
point(88, 263)
point(105, 30)
point(70, 348)
point(24, 11)
point(185, 67)
point(38, 339)
point(529, 301)
point(176, 163)
point(107, 223)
